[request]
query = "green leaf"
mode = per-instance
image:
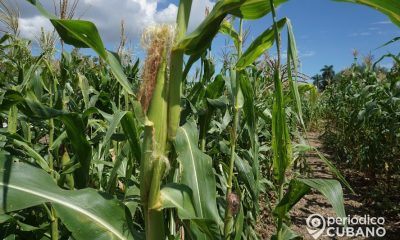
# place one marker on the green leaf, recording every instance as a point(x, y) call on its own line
point(35, 155)
point(292, 48)
point(118, 72)
point(295, 192)
point(303, 148)
point(251, 122)
point(192, 59)
point(388, 55)
point(26, 227)
point(197, 172)
point(202, 229)
point(41, 9)
point(201, 38)
point(252, 9)
point(390, 42)
point(239, 224)
point(5, 218)
point(87, 213)
point(113, 124)
point(227, 29)
point(334, 170)
point(391, 8)
point(74, 127)
point(81, 34)
point(332, 190)
point(58, 141)
point(215, 89)
point(246, 174)
point(130, 129)
point(262, 43)
point(287, 234)
point(292, 60)
point(281, 143)
point(84, 86)
point(116, 167)
point(178, 196)
point(4, 38)
point(84, 34)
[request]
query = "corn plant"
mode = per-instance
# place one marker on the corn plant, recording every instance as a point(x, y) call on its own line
point(93, 148)
point(157, 142)
point(369, 94)
point(365, 119)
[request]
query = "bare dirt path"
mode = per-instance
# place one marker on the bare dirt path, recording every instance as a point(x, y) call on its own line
point(356, 205)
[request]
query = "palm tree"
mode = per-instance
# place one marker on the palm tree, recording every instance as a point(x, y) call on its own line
point(317, 80)
point(327, 75)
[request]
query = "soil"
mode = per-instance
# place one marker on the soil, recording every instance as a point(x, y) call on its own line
point(379, 197)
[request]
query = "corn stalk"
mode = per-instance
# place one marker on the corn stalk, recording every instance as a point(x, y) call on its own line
point(163, 116)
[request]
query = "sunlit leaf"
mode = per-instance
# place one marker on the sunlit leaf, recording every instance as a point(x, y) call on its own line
point(197, 172)
point(84, 34)
point(262, 43)
point(201, 38)
point(86, 213)
point(180, 197)
point(281, 143)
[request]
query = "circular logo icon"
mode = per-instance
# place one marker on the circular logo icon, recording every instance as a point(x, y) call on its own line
point(315, 225)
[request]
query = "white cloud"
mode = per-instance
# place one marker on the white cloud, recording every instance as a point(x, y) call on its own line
point(31, 27)
point(301, 54)
point(306, 54)
point(382, 22)
point(107, 15)
point(167, 15)
point(365, 33)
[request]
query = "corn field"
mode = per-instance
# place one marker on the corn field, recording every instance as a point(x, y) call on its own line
point(114, 147)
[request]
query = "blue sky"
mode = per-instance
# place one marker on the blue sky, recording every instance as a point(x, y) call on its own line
point(327, 32)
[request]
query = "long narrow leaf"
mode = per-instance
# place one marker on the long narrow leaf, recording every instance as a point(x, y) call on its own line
point(35, 155)
point(197, 172)
point(201, 38)
point(84, 34)
point(292, 59)
point(74, 126)
point(262, 43)
point(332, 190)
point(180, 197)
point(281, 144)
point(23, 186)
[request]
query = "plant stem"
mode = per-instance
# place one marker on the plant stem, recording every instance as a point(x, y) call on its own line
point(53, 217)
point(12, 120)
point(54, 224)
point(236, 114)
point(53, 221)
point(277, 35)
point(176, 70)
point(154, 148)
point(278, 78)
